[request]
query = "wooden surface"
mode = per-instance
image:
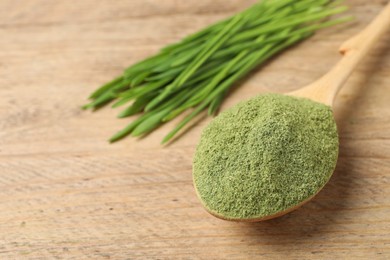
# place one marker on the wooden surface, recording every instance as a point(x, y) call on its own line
point(66, 193)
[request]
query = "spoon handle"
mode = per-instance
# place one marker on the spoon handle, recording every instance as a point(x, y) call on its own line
point(353, 50)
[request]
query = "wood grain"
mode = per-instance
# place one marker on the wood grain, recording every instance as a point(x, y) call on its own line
point(65, 193)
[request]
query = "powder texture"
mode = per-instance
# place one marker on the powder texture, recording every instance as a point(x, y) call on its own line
point(265, 155)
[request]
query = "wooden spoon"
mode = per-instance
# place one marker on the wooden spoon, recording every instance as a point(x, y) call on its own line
point(326, 88)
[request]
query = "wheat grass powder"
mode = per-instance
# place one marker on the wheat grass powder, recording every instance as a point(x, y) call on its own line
point(265, 155)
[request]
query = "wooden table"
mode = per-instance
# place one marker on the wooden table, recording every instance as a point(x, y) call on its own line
point(66, 193)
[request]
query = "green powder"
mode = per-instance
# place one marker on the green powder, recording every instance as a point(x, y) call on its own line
point(265, 155)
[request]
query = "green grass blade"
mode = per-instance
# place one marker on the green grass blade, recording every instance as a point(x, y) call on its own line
point(151, 123)
point(216, 103)
point(137, 106)
point(106, 87)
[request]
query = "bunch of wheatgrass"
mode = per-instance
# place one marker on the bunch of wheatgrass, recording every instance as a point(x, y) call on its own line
point(197, 72)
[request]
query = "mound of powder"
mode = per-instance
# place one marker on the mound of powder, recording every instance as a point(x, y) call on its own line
point(264, 156)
